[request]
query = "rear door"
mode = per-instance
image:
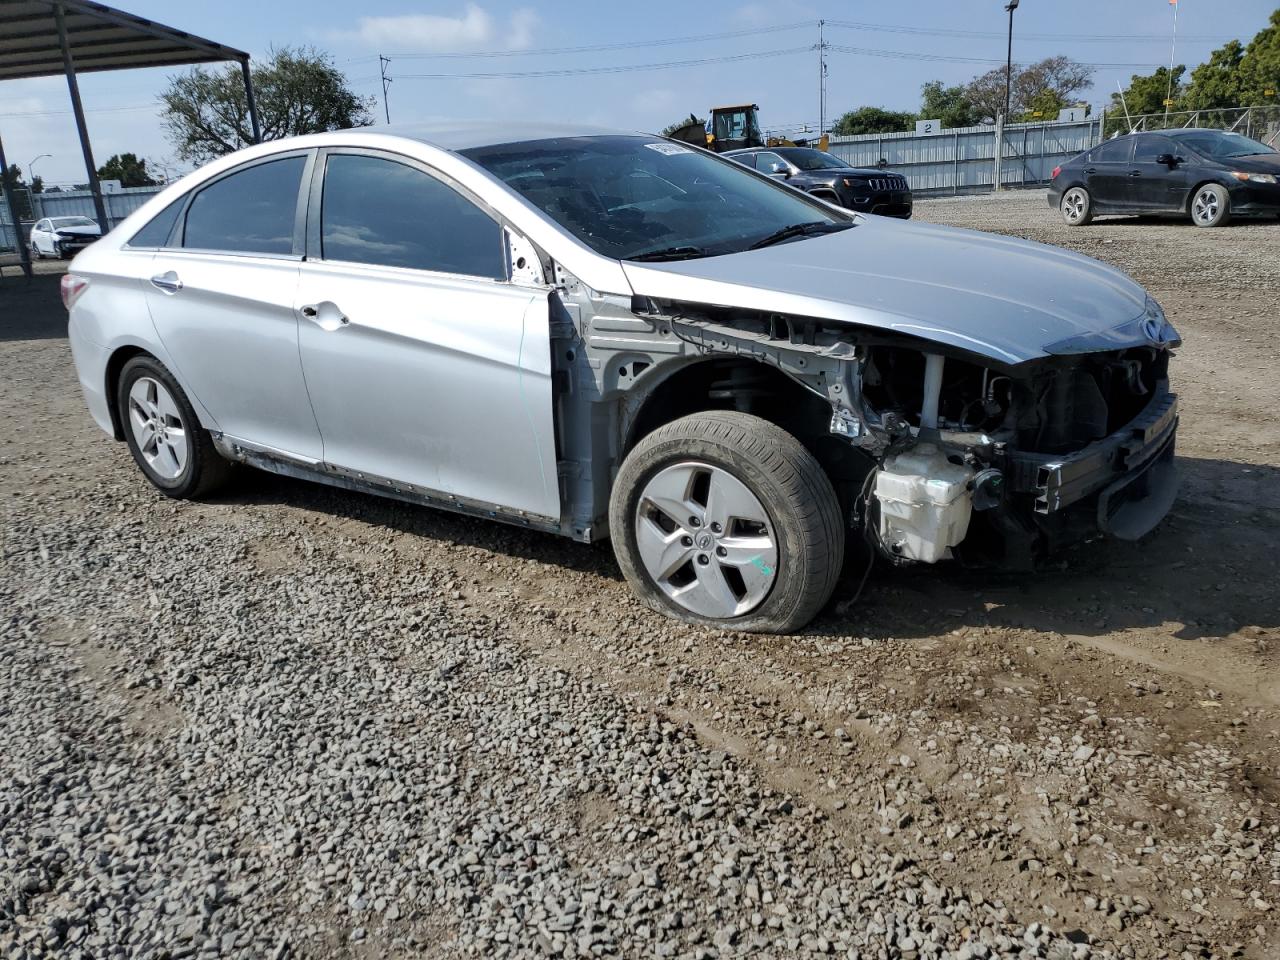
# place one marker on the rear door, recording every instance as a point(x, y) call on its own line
point(425, 364)
point(221, 294)
point(1107, 173)
point(1154, 186)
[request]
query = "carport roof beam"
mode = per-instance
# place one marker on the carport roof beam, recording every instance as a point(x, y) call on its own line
point(100, 38)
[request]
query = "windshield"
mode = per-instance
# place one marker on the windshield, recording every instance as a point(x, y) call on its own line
point(813, 160)
point(72, 222)
point(627, 196)
point(1222, 146)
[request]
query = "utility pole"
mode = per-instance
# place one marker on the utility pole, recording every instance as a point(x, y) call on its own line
point(383, 63)
point(822, 80)
point(1173, 47)
point(1011, 6)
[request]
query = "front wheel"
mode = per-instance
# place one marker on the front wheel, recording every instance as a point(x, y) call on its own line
point(1077, 207)
point(724, 519)
point(174, 452)
point(35, 252)
point(1211, 206)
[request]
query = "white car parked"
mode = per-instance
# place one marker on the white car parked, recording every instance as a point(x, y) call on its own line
point(62, 237)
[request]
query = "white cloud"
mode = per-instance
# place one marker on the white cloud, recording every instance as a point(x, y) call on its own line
point(474, 27)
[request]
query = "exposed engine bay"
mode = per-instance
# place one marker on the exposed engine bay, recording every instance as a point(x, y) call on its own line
point(940, 454)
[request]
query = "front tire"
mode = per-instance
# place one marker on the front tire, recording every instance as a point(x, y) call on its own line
point(1076, 207)
point(1211, 206)
point(725, 520)
point(35, 251)
point(167, 442)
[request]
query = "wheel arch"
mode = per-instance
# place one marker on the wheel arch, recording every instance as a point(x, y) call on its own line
point(1203, 182)
point(115, 364)
point(748, 385)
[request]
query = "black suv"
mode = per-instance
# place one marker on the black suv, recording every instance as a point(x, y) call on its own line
point(828, 177)
point(1207, 175)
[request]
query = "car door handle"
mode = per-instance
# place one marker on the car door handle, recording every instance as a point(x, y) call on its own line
point(326, 315)
point(167, 281)
point(1090, 169)
point(1135, 173)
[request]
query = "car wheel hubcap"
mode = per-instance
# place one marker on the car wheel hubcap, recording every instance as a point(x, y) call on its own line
point(157, 428)
point(1074, 203)
point(1206, 206)
point(706, 540)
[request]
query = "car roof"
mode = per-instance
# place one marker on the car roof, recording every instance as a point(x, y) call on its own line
point(456, 135)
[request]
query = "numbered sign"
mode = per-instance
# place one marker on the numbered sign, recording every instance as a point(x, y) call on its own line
point(928, 126)
point(1071, 114)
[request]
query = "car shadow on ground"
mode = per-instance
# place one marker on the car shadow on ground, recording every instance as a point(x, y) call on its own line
point(1209, 570)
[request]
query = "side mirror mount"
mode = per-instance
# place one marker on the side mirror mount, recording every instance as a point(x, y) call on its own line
point(779, 169)
point(1168, 159)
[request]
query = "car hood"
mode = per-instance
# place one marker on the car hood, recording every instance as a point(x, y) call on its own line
point(1007, 299)
point(1257, 163)
point(78, 231)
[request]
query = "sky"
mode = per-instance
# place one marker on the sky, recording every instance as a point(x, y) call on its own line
point(890, 50)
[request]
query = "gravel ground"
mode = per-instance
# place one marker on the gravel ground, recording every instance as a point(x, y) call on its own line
point(299, 722)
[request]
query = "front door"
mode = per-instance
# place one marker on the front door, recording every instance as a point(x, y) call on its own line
point(221, 295)
point(1154, 186)
point(424, 364)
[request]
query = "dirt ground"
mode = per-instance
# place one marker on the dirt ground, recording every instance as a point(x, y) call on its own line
point(1095, 746)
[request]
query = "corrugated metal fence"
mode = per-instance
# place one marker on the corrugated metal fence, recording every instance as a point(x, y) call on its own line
point(71, 203)
point(964, 160)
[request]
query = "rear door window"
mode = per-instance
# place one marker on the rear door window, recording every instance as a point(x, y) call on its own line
point(1113, 151)
point(380, 211)
point(251, 211)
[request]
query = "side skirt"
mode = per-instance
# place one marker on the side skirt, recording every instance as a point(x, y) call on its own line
point(275, 461)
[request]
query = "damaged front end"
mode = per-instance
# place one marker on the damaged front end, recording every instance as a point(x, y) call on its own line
point(993, 463)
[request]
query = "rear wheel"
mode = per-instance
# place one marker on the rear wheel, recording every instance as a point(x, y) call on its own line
point(1077, 207)
point(167, 442)
point(726, 520)
point(1210, 206)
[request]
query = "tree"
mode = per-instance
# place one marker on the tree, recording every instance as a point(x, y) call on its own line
point(951, 105)
point(1047, 85)
point(872, 120)
point(1260, 66)
point(128, 169)
point(21, 196)
point(1145, 94)
point(298, 91)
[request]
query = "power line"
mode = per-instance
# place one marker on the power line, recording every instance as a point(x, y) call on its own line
point(984, 34)
point(944, 58)
point(597, 47)
point(616, 68)
point(59, 113)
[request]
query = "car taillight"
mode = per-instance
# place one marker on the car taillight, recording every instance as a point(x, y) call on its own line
point(1054, 175)
point(72, 287)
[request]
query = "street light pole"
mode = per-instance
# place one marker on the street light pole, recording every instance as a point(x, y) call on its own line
point(1011, 6)
point(31, 167)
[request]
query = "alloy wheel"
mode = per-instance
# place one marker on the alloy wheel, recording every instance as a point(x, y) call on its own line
point(1074, 204)
point(706, 540)
point(158, 430)
point(1205, 206)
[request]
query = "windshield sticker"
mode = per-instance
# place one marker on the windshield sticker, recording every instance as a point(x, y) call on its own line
point(668, 149)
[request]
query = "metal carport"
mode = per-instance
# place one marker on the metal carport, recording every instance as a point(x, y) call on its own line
point(41, 38)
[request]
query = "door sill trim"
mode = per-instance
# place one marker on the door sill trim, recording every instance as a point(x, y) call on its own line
point(304, 468)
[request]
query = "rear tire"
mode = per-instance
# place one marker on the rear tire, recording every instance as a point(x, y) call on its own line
point(770, 519)
point(1076, 207)
point(164, 435)
point(1210, 206)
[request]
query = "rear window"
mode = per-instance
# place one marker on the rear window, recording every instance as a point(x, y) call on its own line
point(250, 211)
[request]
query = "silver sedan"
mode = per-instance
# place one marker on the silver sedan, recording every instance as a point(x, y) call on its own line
point(604, 334)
